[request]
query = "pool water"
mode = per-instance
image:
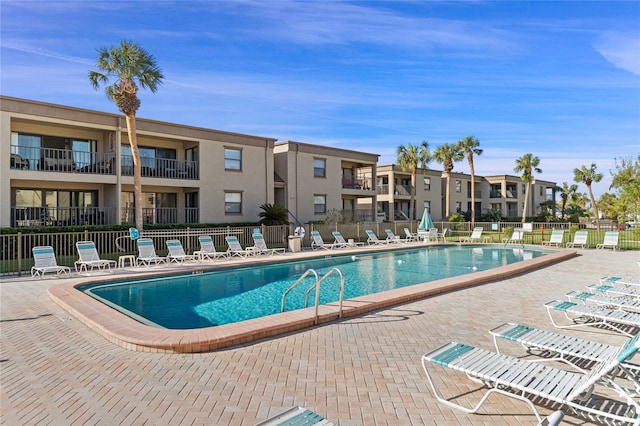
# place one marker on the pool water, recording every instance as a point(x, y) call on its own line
point(237, 294)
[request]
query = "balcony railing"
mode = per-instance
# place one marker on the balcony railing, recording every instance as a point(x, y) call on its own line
point(70, 161)
point(72, 216)
point(162, 168)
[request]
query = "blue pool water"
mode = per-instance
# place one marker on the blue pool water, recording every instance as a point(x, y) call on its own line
point(237, 294)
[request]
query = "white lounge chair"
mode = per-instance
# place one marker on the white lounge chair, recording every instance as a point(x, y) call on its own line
point(557, 237)
point(589, 315)
point(45, 261)
point(526, 380)
point(610, 290)
point(620, 280)
point(610, 241)
point(579, 240)
point(475, 236)
point(318, 243)
point(296, 416)
point(235, 249)
point(517, 237)
point(208, 249)
point(147, 253)
point(442, 235)
point(340, 242)
point(391, 237)
point(373, 238)
point(260, 247)
point(409, 236)
point(89, 257)
point(177, 253)
point(630, 304)
point(561, 347)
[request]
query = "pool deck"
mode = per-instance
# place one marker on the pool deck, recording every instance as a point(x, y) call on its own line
point(360, 370)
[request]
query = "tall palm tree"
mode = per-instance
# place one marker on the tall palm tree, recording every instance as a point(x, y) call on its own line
point(527, 164)
point(588, 176)
point(410, 158)
point(566, 192)
point(469, 146)
point(447, 154)
point(130, 66)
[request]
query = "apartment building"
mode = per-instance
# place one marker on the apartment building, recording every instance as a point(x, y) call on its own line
point(65, 166)
point(394, 193)
point(313, 180)
point(504, 193)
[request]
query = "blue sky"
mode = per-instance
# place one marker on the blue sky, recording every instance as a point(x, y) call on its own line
point(558, 79)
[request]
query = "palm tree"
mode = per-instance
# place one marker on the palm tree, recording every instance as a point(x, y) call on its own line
point(566, 193)
point(527, 164)
point(273, 214)
point(131, 66)
point(469, 146)
point(447, 154)
point(409, 159)
point(588, 176)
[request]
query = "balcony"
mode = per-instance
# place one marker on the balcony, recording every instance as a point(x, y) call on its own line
point(102, 163)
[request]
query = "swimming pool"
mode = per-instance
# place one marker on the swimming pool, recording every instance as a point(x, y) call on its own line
point(233, 295)
point(135, 335)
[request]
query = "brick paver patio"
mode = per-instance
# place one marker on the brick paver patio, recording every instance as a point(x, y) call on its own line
point(361, 371)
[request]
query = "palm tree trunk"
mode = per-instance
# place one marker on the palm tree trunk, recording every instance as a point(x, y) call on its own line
point(447, 198)
point(595, 207)
point(412, 200)
point(137, 170)
point(473, 194)
point(526, 202)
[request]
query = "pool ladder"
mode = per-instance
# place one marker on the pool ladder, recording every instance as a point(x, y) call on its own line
point(316, 286)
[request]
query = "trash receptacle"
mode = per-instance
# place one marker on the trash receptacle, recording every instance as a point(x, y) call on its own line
point(295, 243)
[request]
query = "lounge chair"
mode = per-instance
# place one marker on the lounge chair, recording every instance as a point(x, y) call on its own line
point(553, 419)
point(373, 238)
point(89, 257)
point(610, 241)
point(176, 252)
point(296, 416)
point(318, 243)
point(517, 237)
point(526, 381)
point(391, 237)
point(260, 247)
point(409, 236)
point(235, 249)
point(579, 240)
point(610, 290)
point(45, 261)
point(629, 282)
point(475, 236)
point(557, 236)
point(340, 242)
point(589, 315)
point(630, 304)
point(208, 249)
point(147, 253)
point(561, 347)
point(442, 235)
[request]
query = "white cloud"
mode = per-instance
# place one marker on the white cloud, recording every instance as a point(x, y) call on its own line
point(622, 50)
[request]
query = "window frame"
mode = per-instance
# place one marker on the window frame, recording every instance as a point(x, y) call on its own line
point(229, 204)
point(229, 161)
point(320, 172)
point(323, 209)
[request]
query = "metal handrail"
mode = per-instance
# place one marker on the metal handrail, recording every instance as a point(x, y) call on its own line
point(298, 281)
point(317, 287)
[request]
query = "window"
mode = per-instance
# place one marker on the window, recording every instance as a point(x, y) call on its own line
point(458, 186)
point(541, 191)
point(458, 207)
point(233, 202)
point(524, 188)
point(427, 183)
point(232, 159)
point(319, 203)
point(319, 167)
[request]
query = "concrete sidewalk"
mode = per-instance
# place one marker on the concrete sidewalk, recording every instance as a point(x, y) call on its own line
point(361, 371)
